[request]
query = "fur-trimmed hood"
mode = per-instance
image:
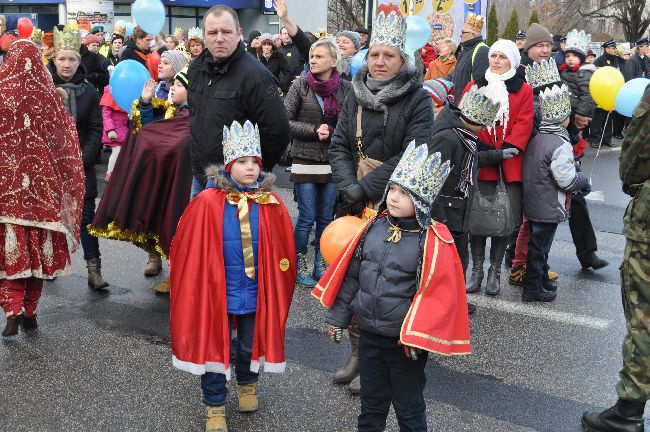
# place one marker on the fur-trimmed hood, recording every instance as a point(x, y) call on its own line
point(589, 67)
point(216, 173)
point(406, 80)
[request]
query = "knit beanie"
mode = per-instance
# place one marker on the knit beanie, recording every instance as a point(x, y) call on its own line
point(91, 38)
point(266, 37)
point(181, 76)
point(509, 48)
point(176, 58)
point(353, 36)
point(537, 34)
point(252, 35)
point(438, 90)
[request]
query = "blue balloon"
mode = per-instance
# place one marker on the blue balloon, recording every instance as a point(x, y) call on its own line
point(418, 33)
point(358, 61)
point(629, 96)
point(129, 29)
point(149, 14)
point(127, 81)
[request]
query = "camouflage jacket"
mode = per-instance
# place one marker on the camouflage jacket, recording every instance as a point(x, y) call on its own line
point(635, 172)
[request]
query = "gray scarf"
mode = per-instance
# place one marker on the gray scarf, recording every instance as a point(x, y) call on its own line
point(70, 102)
point(387, 93)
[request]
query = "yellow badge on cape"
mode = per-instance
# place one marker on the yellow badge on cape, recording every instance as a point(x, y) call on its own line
point(284, 264)
point(288, 54)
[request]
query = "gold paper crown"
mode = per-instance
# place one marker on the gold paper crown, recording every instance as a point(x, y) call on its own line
point(321, 33)
point(67, 39)
point(37, 35)
point(179, 32)
point(475, 22)
point(422, 176)
point(240, 141)
point(3, 24)
point(120, 30)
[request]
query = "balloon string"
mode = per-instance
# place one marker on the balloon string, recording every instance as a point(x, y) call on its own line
point(600, 144)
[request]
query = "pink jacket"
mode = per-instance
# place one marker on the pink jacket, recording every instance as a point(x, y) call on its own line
point(117, 121)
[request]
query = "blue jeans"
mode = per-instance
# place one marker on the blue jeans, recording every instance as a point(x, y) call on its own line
point(539, 246)
point(214, 384)
point(315, 204)
point(89, 244)
point(197, 187)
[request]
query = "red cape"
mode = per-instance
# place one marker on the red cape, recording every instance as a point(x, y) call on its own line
point(199, 317)
point(437, 320)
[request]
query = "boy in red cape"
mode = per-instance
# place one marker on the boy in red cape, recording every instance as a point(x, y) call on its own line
point(233, 256)
point(402, 278)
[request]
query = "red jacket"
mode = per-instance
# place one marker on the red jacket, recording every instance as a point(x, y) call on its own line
point(428, 54)
point(518, 131)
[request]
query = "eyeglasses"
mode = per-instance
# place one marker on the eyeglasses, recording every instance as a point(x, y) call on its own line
point(462, 32)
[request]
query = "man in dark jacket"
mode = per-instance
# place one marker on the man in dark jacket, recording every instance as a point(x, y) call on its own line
point(638, 66)
point(96, 67)
point(226, 85)
point(598, 129)
point(291, 53)
point(471, 56)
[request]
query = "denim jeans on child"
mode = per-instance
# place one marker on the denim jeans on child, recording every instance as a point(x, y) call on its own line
point(213, 385)
point(388, 375)
point(315, 204)
point(539, 245)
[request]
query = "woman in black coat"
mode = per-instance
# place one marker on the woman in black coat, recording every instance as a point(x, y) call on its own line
point(81, 99)
point(138, 47)
point(274, 61)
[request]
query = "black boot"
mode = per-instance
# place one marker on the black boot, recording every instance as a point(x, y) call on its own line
point(95, 280)
point(11, 328)
point(477, 247)
point(29, 323)
point(534, 295)
point(497, 251)
point(350, 369)
point(593, 261)
point(625, 416)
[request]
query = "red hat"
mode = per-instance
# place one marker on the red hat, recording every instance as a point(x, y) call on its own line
point(5, 42)
point(91, 38)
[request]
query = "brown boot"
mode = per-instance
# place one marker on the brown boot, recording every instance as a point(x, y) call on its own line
point(215, 419)
point(248, 398)
point(354, 388)
point(351, 367)
point(95, 279)
point(12, 326)
point(162, 287)
point(153, 266)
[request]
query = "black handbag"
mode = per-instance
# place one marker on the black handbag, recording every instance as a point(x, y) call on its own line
point(491, 215)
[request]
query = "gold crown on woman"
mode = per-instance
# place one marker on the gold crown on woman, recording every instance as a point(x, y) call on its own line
point(241, 140)
point(67, 39)
point(179, 32)
point(389, 30)
point(119, 30)
point(37, 35)
point(475, 22)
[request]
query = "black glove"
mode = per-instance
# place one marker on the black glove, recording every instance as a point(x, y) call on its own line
point(352, 201)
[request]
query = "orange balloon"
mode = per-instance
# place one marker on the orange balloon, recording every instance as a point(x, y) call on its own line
point(337, 235)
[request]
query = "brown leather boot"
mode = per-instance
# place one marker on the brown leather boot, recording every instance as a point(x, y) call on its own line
point(11, 328)
point(153, 266)
point(350, 369)
point(162, 287)
point(95, 279)
point(247, 398)
point(215, 419)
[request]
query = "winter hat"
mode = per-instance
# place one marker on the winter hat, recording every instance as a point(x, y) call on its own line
point(353, 36)
point(537, 34)
point(176, 58)
point(509, 48)
point(266, 37)
point(254, 34)
point(91, 38)
point(97, 29)
point(277, 37)
point(182, 77)
point(240, 141)
point(577, 42)
point(438, 90)
point(5, 42)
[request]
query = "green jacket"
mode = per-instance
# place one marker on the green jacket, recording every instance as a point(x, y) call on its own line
point(635, 172)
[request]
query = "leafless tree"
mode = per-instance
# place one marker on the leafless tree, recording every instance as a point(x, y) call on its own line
point(632, 15)
point(345, 15)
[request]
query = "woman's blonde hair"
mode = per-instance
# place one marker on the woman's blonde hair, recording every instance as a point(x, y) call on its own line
point(451, 44)
point(329, 43)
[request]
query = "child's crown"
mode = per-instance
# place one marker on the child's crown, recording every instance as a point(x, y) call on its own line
point(240, 141)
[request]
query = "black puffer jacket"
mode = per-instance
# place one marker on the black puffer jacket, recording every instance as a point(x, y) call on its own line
point(241, 89)
point(578, 83)
point(305, 116)
point(88, 120)
point(469, 67)
point(279, 67)
point(96, 68)
point(451, 207)
point(391, 119)
point(380, 284)
point(292, 55)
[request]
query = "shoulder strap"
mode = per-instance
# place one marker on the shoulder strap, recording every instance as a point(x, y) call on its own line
point(359, 133)
point(476, 48)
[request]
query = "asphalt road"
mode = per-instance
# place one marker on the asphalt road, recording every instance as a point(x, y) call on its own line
point(102, 361)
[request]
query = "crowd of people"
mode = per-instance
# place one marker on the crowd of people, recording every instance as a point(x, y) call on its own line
point(438, 155)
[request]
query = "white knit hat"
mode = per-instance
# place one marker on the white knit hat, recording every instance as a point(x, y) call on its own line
point(509, 48)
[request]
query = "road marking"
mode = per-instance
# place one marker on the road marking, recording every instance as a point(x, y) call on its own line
point(596, 196)
point(537, 311)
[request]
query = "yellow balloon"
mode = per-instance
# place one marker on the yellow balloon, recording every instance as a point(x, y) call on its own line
point(604, 85)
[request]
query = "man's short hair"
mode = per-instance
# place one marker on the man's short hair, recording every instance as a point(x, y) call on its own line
point(220, 9)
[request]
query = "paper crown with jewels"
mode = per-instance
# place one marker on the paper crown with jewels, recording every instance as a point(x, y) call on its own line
point(478, 108)
point(577, 41)
point(195, 33)
point(179, 32)
point(421, 175)
point(475, 22)
point(37, 35)
point(389, 30)
point(555, 104)
point(542, 74)
point(240, 141)
point(67, 39)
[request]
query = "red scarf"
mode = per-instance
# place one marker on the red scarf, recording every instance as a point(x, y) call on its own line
point(437, 320)
point(199, 317)
point(43, 178)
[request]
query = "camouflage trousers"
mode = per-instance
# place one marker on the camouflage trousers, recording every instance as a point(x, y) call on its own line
point(634, 381)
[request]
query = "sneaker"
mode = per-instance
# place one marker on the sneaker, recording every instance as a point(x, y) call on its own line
point(215, 419)
point(538, 296)
point(304, 278)
point(517, 276)
point(618, 136)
